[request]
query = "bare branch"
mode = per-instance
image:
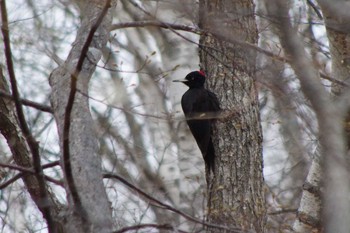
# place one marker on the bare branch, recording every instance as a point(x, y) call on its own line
point(52, 164)
point(18, 168)
point(10, 181)
point(314, 7)
point(168, 207)
point(283, 211)
point(155, 226)
point(52, 180)
point(153, 23)
point(26, 102)
point(32, 143)
point(24, 170)
point(219, 34)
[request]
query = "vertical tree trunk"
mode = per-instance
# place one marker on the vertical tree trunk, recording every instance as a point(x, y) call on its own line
point(235, 195)
point(334, 162)
point(338, 34)
point(85, 162)
point(336, 18)
point(10, 129)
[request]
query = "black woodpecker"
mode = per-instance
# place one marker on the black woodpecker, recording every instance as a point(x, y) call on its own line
point(200, 107)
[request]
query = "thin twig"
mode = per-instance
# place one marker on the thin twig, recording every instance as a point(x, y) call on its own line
point(56, 182)
point(314, 7)
point(219, 35)
point(283, 211)
point(26, 102)
point(153, 23)
point(52, 164)
point(32, 143)
point(168, 207)
point(20, 175)
point(68, 111)
point(18, 168)
point(156, 226)
point(165, 25)
point(10, 181)
point(24, 170)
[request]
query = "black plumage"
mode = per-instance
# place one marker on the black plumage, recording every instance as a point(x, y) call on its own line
point(200, 107)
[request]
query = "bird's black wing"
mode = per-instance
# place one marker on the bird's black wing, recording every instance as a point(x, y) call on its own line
point(196, 102)
point(199, 106)
point(214, 105)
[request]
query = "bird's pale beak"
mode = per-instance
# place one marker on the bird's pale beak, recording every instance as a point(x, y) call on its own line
point(181, 80)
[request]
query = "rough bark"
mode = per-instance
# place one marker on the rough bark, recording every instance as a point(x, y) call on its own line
point(10, 129)
point(236, 194)
point(309, 211)
point(85, 162)
point(338, 34)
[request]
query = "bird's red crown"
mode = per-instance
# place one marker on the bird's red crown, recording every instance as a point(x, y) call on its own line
point(201, 72)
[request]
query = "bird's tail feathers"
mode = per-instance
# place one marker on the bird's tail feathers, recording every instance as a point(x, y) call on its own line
point(210, 157)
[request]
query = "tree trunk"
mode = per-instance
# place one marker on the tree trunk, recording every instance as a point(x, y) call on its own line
point(336, 18)
point(338, 34)
point(10, 129)
point(85, 162)
point(235, 191)
point(333, 159)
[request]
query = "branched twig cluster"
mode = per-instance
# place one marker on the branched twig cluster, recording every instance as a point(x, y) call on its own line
point(168, 207)
point(32, 143)
point(25, 170)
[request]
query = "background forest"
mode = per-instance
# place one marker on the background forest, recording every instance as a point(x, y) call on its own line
point(93, 137)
